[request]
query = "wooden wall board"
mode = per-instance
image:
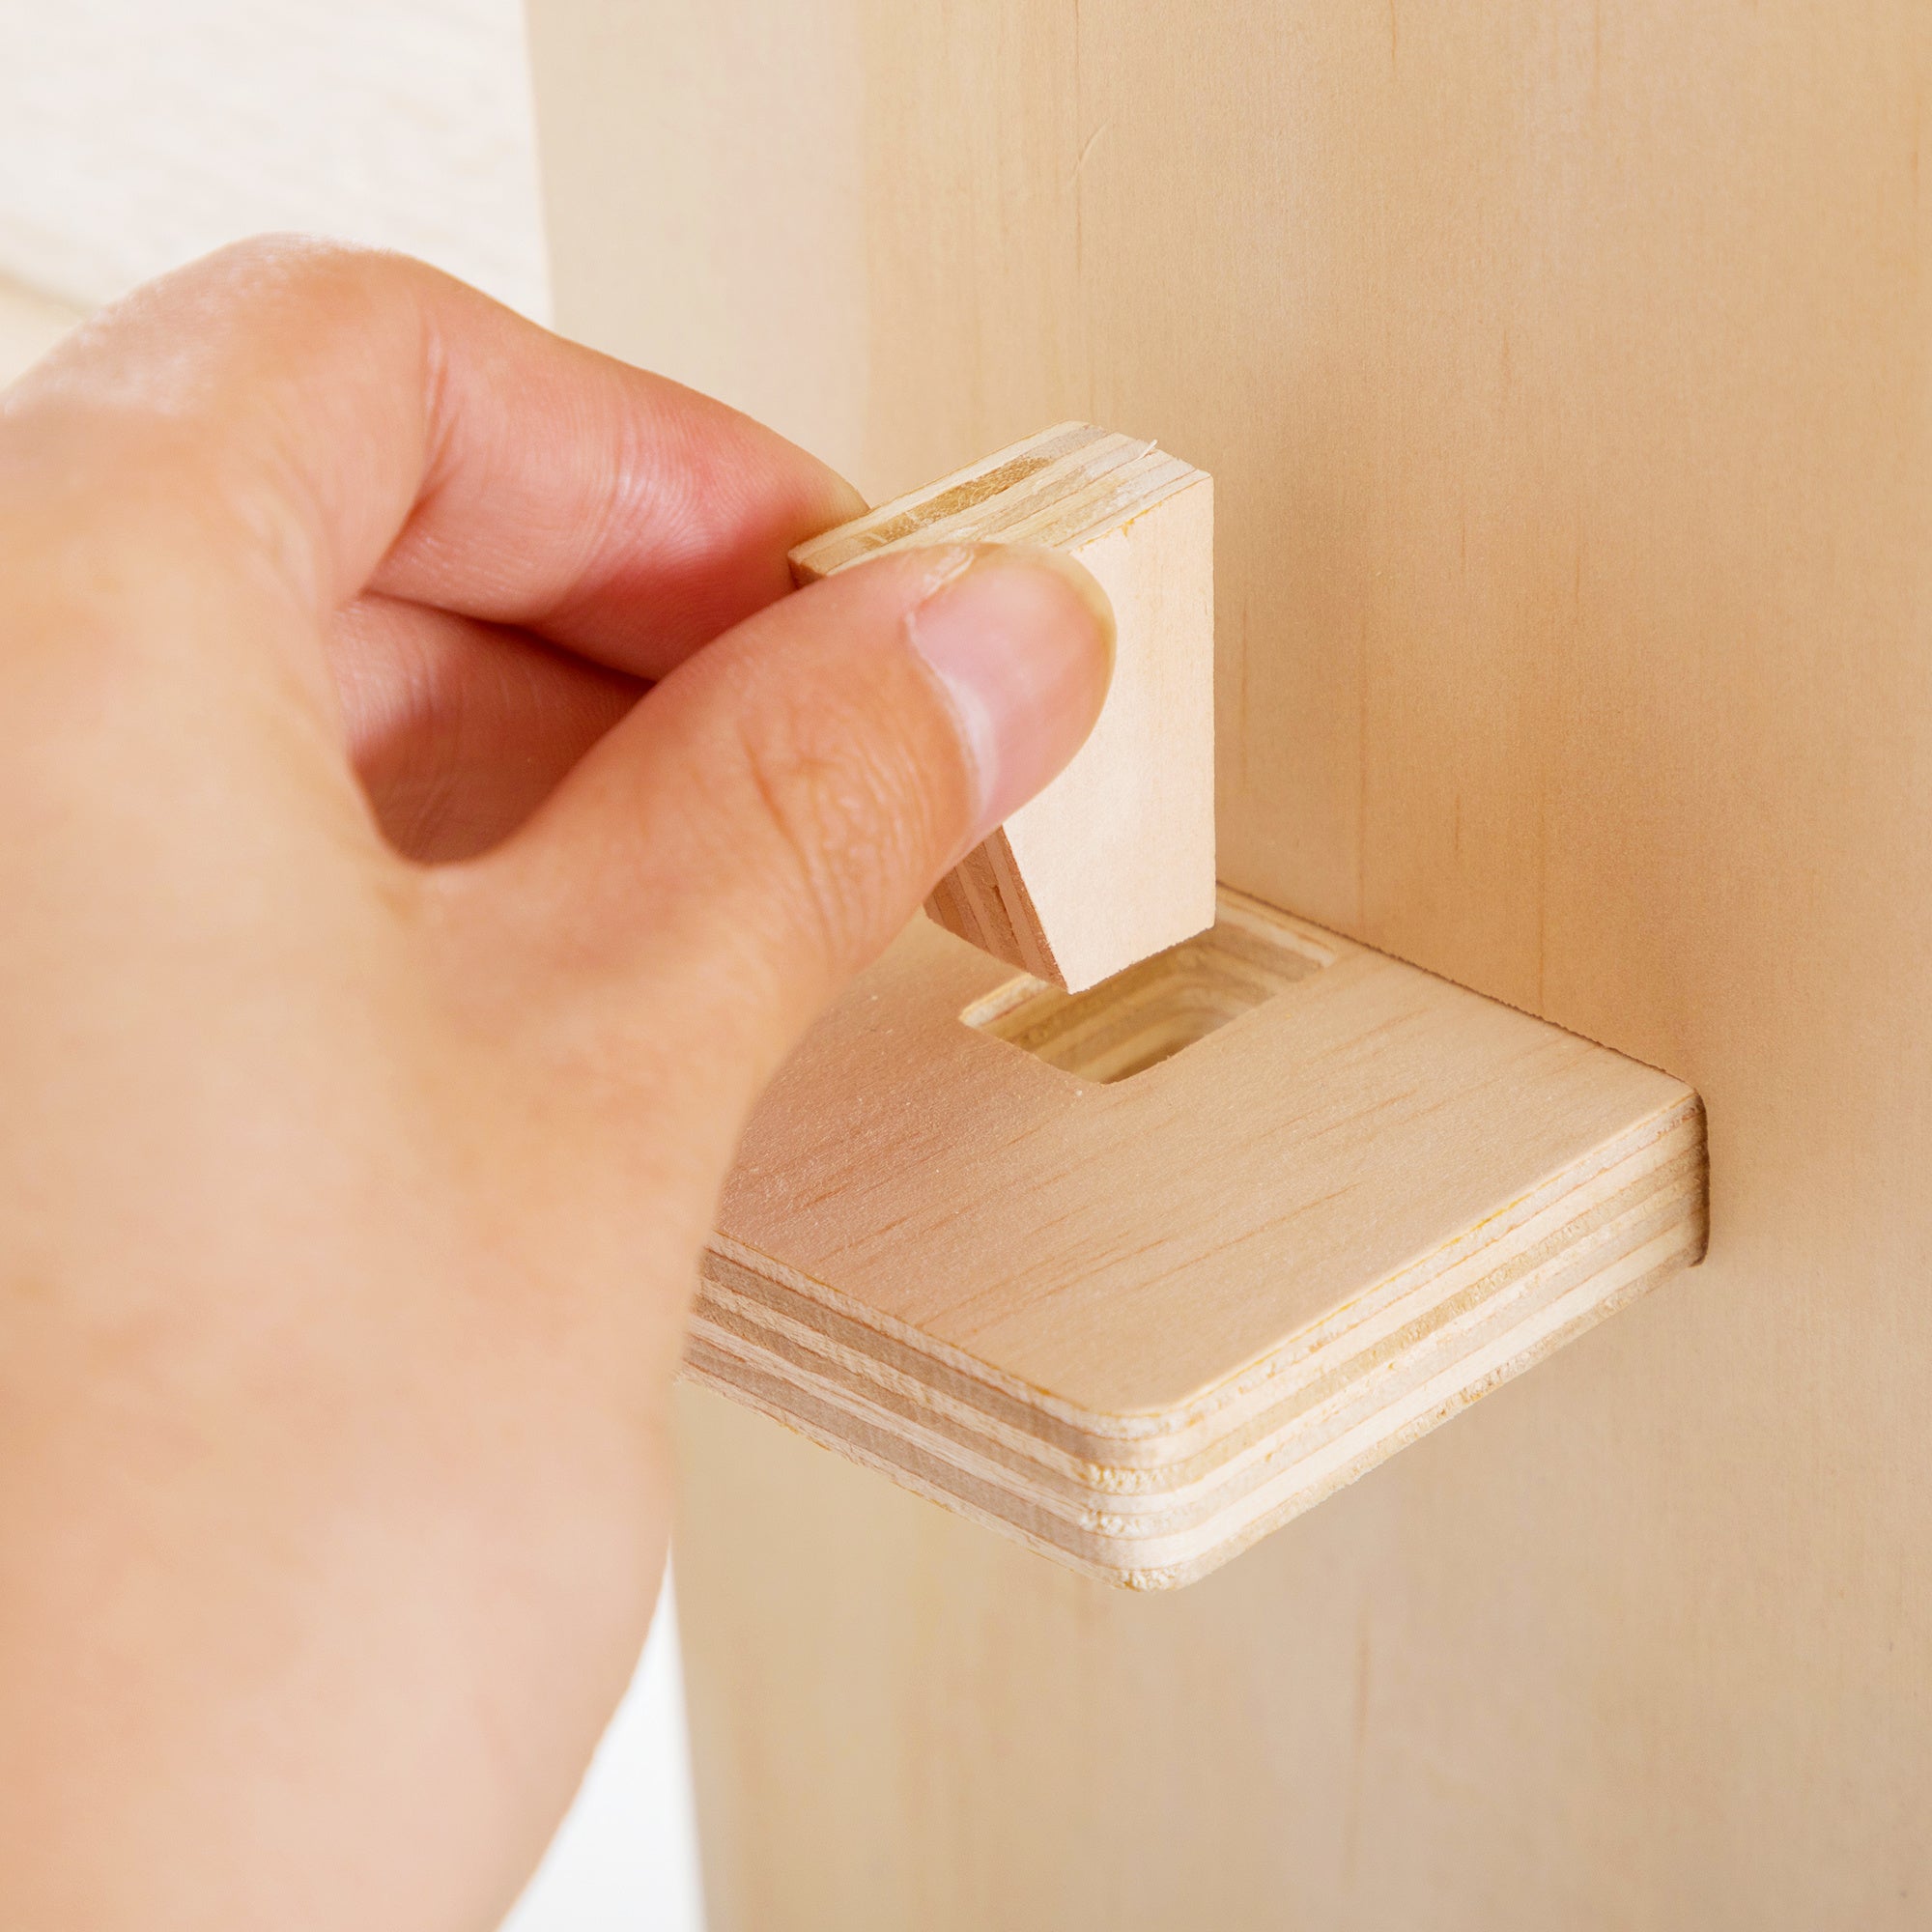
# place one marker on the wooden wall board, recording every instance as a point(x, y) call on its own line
point(1113, 860)
point(1138, 1322)
point(1563, 372)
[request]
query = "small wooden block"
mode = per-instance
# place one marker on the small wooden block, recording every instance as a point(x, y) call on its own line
point(1138, 1274)
point(1115, 858)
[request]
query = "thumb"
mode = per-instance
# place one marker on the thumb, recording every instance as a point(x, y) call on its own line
point(766, 820)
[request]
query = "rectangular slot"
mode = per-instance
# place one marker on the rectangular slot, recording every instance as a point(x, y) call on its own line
point(1158, 1007)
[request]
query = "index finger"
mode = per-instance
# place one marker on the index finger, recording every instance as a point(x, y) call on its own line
point(384, 427)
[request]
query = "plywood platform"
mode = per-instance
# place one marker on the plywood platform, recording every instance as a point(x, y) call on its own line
point(1138, 1274)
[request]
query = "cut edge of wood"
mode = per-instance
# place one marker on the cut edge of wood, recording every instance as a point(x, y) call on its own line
point(1650, 1194)
point(1152, 1500)
point(1114, 1551)
point(1135, 1437)
point(1063, 485)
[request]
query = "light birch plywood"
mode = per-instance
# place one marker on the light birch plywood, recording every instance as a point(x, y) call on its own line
point(1115, 858)
point(1563, 373)
point(1140, 1276)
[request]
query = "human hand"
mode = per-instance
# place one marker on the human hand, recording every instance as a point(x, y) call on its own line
point(382, 989)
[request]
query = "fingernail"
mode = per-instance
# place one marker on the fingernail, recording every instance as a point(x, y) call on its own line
point(1022, 641)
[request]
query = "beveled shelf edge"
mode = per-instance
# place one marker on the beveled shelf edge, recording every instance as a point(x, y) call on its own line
point(1153, 1497)
point(1111, 1549)
point(1650, 1191)
point(1159, 1449)
point(774, 1355)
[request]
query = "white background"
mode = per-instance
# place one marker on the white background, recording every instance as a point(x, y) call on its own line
point(134, 134)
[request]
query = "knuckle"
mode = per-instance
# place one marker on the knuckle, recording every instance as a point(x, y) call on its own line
point(304, 266)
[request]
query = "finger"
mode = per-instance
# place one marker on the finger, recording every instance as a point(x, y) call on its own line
point(766, 820)
point(459, 729)
point(369, 422)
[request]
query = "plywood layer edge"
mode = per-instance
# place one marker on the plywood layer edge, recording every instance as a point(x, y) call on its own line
point(1023, 1294)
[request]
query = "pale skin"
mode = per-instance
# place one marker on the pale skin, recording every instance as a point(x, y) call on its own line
point(429, 819)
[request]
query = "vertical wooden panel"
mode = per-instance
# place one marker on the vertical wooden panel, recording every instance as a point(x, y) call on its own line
point(704, 178)
point(973, 139)
point(1564, 372)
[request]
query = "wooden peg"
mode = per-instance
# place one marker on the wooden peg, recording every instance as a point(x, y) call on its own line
point(1115, 860)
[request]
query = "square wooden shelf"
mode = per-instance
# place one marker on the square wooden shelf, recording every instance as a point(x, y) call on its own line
point(1139, 1273)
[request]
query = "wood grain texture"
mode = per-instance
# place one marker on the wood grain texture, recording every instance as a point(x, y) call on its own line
point(1564, 375)
point(1115, 860)
point(1139, 1322)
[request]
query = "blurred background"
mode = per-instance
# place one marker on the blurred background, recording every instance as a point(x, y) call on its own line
point(135, 134)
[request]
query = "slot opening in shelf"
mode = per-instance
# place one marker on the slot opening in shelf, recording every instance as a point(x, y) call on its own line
point(1156, 1009)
